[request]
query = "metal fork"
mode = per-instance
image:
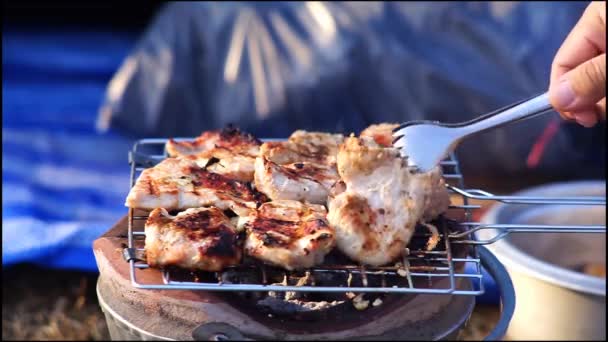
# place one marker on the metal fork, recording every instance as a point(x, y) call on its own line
point(426, 143)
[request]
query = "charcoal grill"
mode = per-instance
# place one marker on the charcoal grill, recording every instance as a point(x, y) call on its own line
point(426, 295)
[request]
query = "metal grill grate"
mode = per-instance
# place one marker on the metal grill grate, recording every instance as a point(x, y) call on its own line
point(439, 271)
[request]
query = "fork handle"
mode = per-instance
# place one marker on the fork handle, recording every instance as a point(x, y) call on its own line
point(535, 106)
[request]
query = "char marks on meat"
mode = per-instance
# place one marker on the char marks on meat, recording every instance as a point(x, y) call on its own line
point(232, 151)
point(301, 168)
point(177, 184)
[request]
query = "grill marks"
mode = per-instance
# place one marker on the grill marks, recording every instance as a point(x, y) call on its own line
point(310, 147)
point(314, 172)
point(279, 233)
point(203, 180)
point(152, 188)
point(210, 224)
point(274, 233)
point(302, 181)
point(223, 246)
point(200, 224)
point(301, 151)
point(231, 136)
point(229, 152)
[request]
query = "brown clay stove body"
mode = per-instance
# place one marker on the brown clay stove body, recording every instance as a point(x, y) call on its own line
point(141, 314)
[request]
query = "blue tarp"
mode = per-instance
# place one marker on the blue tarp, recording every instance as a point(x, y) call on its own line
point(63, 184)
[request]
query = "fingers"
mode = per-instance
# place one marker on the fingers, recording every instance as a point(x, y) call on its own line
point(600, 109)
point(588, 117)
point(578, 74)
point(581, 88)
point(586, 40)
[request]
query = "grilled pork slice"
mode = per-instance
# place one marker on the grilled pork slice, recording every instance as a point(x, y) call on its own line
point(375, 208)
point(302, 146)
point(229, 152)
point(381, 133)
point(196, 239)
point(302, 181)
point(230, 138)
point(289, 234)
point(180, 184)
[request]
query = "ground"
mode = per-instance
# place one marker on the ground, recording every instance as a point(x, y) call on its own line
point(43, 304)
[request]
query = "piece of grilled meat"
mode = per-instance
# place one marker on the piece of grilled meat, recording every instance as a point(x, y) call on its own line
point(375, 207)
point(225, 162)
point(195, 239)
point(229, 152)
point(302, 146)
point(301, 181)
point(289, 234)
point(301, 168)
point(177, 184)
point(230, 138)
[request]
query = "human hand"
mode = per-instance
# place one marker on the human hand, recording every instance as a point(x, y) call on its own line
point(578, 73)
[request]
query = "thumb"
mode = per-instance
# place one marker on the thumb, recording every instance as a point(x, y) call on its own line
point(582, 87)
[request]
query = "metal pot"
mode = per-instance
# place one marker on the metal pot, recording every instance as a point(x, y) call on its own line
point(555, 300)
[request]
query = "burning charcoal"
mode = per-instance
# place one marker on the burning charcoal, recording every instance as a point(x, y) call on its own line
point(318, 306)
point(287, 307)
point(280, 306)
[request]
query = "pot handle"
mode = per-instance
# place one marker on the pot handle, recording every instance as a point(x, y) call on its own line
point(505, 287)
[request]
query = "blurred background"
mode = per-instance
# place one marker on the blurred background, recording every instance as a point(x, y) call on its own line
point(82, 82)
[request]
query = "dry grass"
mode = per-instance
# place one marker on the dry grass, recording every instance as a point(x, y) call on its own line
point(42, 304)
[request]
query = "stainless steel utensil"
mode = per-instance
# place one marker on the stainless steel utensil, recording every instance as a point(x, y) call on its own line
point(425, 143)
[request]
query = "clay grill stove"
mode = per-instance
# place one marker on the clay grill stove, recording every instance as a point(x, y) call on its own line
point(426, 296)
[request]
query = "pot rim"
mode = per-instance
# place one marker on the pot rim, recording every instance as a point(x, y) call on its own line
point(516, 259)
